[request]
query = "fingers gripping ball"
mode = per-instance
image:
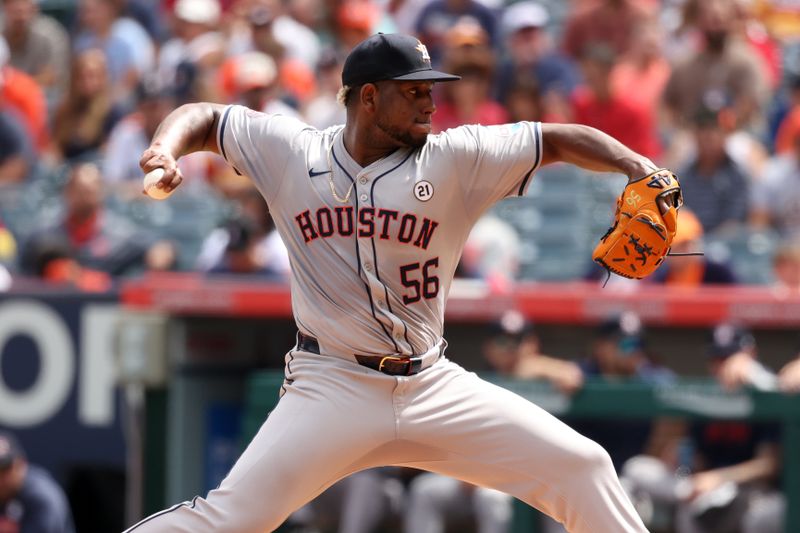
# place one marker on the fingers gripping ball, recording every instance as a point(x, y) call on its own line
point(644, 226)
point(150, 185)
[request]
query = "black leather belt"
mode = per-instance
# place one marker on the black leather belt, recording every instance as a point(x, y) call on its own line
point(388, 364)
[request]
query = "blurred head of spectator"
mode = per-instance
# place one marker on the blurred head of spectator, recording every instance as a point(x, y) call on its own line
point(39, 503)
point(611, 22)
point(786, 266)
point(18, 17)
point(437, 19)
point(468, 101)
point(524, 101)
point(355, 21)
point(727, 340)
point(255, 79)
point(13, 466)
point(98, 16)
point(618, 346)
point(87, 113)
point(262, 17)
point(39, 45)
point(155, 99)
point(509, 338)
point(524, 25)
point(597, 62)
point(193, 18)
point(83, 193)
point(323, 110)
point(714, 19)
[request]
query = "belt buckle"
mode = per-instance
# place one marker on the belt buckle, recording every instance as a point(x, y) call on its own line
point(393, 358)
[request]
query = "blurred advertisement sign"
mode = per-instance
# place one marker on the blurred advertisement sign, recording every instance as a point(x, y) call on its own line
point(57, 378)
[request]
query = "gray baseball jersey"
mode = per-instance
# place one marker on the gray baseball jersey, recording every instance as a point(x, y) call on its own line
point(371, 275)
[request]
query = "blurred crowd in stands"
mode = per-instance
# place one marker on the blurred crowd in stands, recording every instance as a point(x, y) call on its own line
point(709, 88)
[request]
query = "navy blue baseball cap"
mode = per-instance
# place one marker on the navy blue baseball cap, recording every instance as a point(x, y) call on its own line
point(390, 56)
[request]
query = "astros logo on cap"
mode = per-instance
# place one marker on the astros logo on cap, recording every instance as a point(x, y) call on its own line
point(424, 51)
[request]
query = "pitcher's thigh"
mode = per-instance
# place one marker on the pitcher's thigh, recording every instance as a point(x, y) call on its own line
point(306, 444)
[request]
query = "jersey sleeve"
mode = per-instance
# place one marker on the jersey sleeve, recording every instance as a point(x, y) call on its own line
point(259, 145)
point(495, 162)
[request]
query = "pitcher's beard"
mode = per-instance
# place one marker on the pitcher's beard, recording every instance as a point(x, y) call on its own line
point(401, 136)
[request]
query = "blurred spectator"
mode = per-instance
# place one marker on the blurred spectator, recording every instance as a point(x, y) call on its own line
point(20, 94)
point(776, 197)
point(241, 255)
point(39, 45)
point(355, 21)
point(16, 151)
point(53, 261)
point(715, 187)
point(694, 270)
point(251, 79)
point(786, 268)
point(511, 349)
point(323, 111)
point(524, 102)
point(595, 104)
point(491, 253)
point(468, 101)
point(724, 69)
point(95, 237)
point(131, 136)
point(439, 16)
point(30, 499)
point(608, 22)
point(248, 239)
point(719, 475)
point(196, 45)
point(128, 49)
point(618, 351)
point(641, 74)
point(87, 113)
point(272, 31)
point(531, 55)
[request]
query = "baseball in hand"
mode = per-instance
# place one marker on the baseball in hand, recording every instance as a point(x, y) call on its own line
point(150, 181)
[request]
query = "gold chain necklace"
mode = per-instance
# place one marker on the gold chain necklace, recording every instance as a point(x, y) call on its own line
point(336, 196)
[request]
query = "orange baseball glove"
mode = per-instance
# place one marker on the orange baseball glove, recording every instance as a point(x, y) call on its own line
point(644, 226)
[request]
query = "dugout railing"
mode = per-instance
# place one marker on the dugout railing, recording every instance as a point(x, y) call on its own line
point(691, 398)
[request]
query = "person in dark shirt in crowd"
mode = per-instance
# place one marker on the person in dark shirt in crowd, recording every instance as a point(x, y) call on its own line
point(715, 187)
point(618, 352)
point(30, 499)
point(99, 239)
point(719, 475)
point(532, 54)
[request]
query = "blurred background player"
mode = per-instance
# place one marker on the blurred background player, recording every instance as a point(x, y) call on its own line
point(30, 500)
point(719, 475)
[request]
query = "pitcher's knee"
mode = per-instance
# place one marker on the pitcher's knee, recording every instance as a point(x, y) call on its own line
point(592, 459)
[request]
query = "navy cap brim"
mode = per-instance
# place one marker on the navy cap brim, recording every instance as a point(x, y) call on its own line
point(427, 75)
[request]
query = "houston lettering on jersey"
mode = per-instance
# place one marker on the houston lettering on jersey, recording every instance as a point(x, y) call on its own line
point(371, 222)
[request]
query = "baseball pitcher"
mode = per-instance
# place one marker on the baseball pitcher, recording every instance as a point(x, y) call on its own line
point(374, 215)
